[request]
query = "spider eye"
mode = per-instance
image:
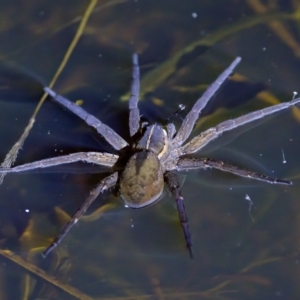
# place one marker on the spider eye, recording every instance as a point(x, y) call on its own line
point(142, 180)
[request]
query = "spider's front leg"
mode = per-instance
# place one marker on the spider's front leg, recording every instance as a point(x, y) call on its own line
point(134, 112)
point(191, 118)
point(104, 185)
point(108, 133)
point(204, 163)
point(173, 184)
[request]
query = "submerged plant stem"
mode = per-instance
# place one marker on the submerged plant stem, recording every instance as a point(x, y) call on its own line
point(42, 274)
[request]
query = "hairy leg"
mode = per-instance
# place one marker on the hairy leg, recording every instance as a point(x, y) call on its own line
point(134, 113)
point(204, 163)
point(207, 136)
point(104, 185)
point(98, 158)
point(109, 134)
point(173, 184)
point(191, 118)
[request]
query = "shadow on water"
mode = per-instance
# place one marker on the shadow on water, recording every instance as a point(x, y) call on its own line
point(245, 233)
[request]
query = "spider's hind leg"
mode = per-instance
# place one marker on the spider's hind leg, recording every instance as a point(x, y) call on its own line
point(103, 185)
point(173, 184)
point(204, 163)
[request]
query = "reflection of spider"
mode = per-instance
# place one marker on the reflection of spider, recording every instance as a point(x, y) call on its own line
point(155, 154)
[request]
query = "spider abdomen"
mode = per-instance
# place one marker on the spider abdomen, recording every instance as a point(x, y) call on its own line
point(142, 180)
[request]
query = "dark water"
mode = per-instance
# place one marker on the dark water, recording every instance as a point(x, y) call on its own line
point(241, 251)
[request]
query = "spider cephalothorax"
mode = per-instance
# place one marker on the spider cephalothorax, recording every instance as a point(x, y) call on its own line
point(155, 156)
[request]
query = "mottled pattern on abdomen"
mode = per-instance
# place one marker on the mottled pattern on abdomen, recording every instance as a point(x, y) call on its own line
point(142, 180)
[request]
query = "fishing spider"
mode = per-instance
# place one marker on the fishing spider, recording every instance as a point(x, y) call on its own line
point(154, 155)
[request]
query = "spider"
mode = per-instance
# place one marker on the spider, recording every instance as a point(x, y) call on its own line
point(155, 154)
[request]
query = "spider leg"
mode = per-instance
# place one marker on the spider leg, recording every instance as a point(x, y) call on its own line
point(109, 134)
point(104, 185)
point(103, 159)
point(207, 136)
point(134, 113)
point(189, 121)
point(173, 184)
point(204, 163)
